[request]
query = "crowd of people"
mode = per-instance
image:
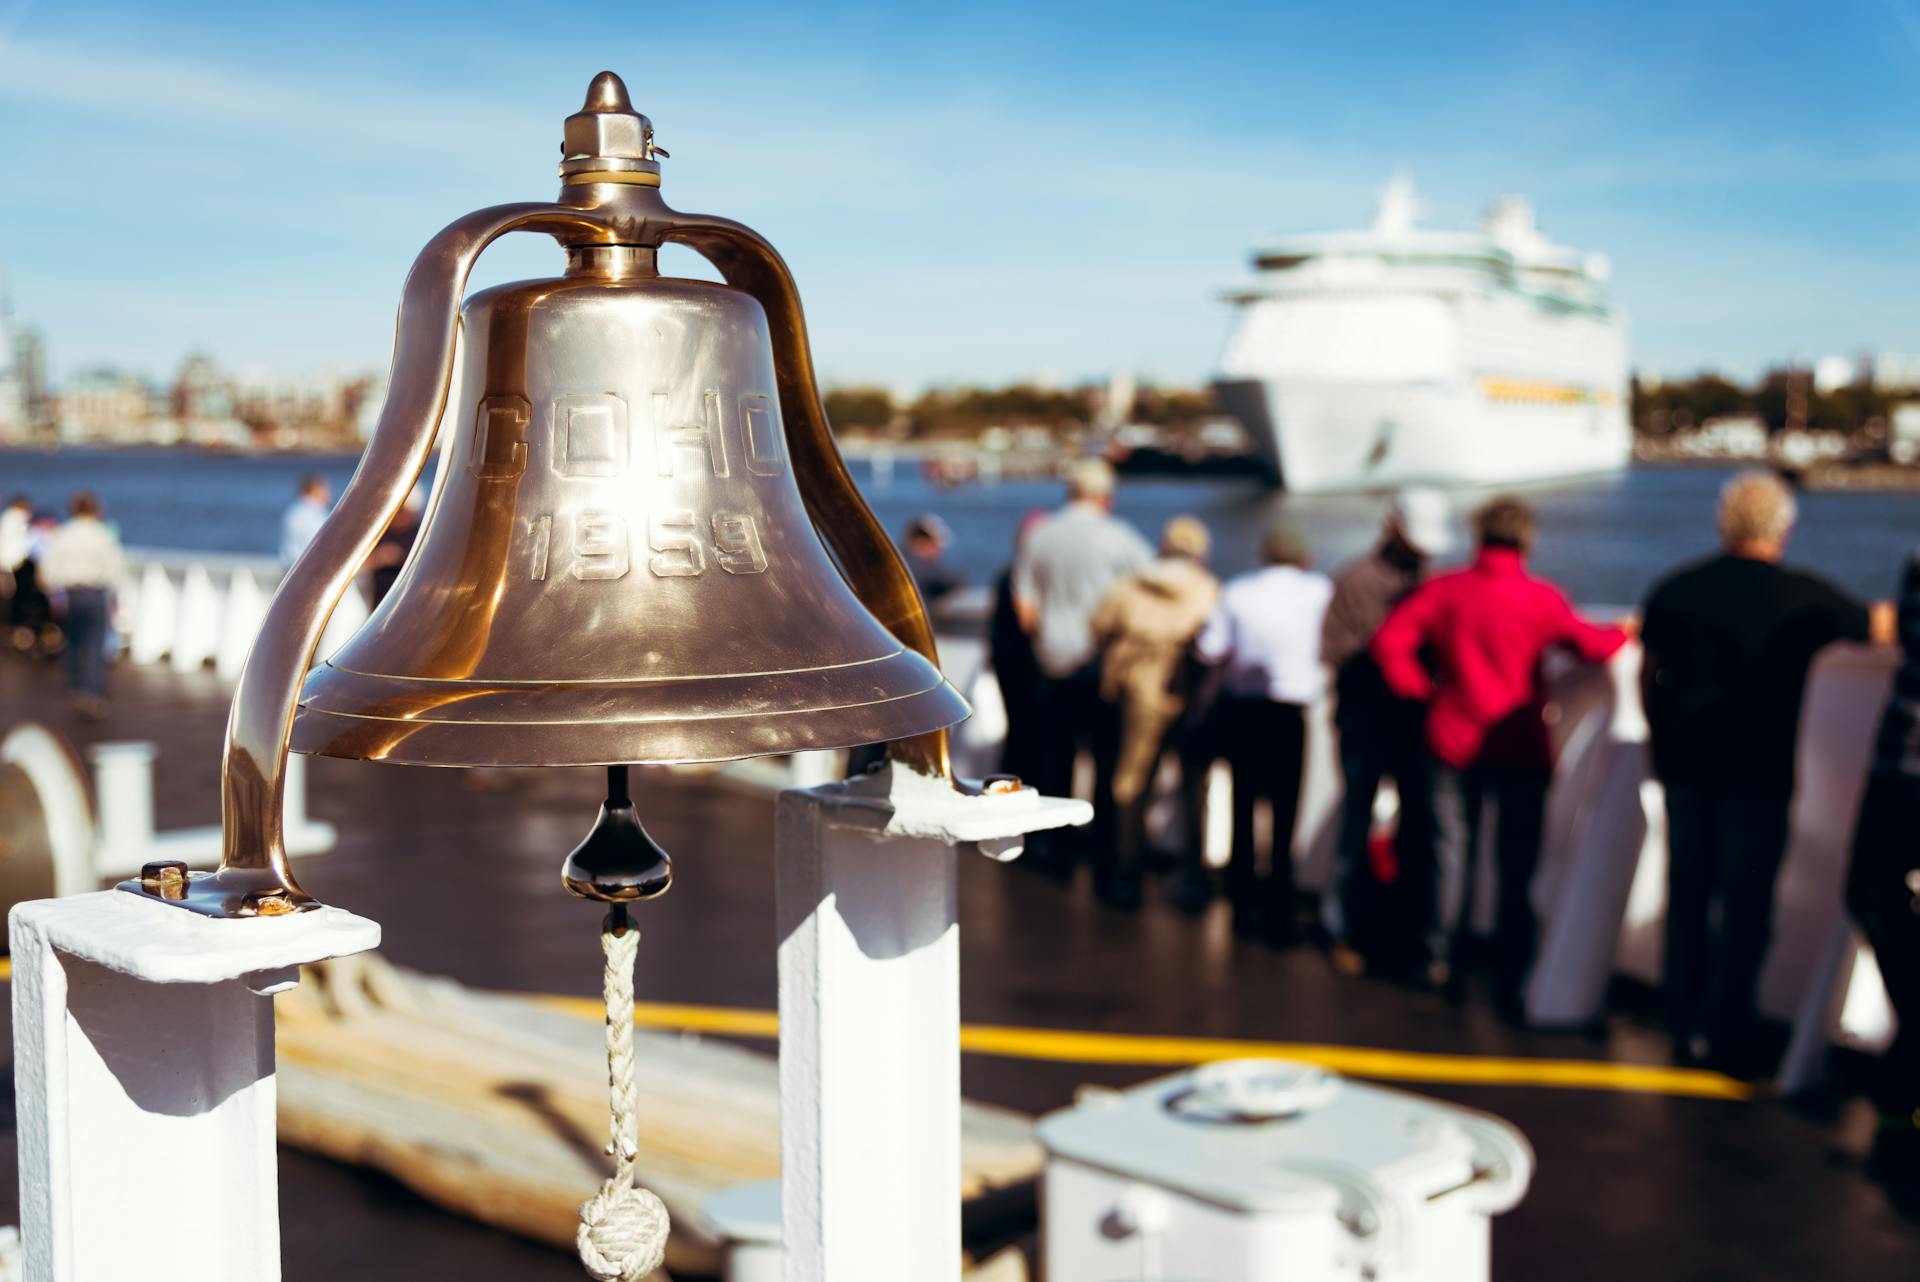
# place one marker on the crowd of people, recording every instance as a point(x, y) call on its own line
point(1138, 656)
point(58, 578)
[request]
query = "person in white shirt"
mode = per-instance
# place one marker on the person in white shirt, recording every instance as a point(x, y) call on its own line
point(16, 534)
point(83, 561)
point(16, 524)
point(303, 517)
point(1265, 639)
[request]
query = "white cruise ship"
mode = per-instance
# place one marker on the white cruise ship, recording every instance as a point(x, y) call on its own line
point(1369, 359)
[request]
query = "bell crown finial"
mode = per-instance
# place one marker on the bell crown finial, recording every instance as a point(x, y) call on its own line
point(608, 92)
point(607, 136)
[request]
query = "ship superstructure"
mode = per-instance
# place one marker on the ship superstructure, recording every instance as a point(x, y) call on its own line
point(1372, 358)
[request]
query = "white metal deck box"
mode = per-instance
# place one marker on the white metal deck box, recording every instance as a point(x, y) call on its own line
point(1270, 1171)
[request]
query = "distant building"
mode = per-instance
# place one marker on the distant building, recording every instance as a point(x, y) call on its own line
point(318, 410)
point(201, 406)
point(1903, 434)
point(1892, 370)
point(200, 391)
point(1732, 436)
point(1804, 448)
point(366, 414)
point(30, 367)
point(103, 405)
point(26, 393)
point(15, 422)
point(14, 425)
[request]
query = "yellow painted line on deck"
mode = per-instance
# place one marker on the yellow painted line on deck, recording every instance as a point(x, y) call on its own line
point(1065, 1047)
point(1132, 1048)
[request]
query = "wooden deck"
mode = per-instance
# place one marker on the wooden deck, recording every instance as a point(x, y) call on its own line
point(462, 870)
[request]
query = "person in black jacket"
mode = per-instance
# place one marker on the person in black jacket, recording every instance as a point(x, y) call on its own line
point(1728, 643)
point(1379, 737)
point(1883, 892)
point(396, 544)
point(1010, 654)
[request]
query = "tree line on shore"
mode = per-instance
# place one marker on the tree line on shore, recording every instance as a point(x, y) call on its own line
point(1780, 399)
point(966, 411)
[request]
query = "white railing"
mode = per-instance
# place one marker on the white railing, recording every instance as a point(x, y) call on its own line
point(194, 609)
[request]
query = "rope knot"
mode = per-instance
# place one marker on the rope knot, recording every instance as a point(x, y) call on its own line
point(623, 1228)
point(623, 1233)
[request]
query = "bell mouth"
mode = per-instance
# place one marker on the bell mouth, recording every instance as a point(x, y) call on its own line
point(659, 721)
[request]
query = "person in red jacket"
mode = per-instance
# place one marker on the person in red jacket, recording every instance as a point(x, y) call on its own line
point(1469, 644)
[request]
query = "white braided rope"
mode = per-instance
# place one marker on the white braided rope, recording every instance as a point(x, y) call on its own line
point(623, 1228)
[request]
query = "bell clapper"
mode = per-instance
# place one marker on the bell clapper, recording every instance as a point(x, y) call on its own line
point(618, 863)
point(623, 1228)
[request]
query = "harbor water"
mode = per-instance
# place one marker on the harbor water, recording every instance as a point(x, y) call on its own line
point(1605, 540)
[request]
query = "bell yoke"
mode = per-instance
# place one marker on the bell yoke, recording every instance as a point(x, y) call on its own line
point(642, 546)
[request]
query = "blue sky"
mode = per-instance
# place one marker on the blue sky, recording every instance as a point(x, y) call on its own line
point(975, 193)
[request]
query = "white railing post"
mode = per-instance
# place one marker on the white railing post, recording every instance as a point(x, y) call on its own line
point(870, 1018)
point(196, 632)
point(240, 618)
point(126, 836)
point(123, 804)
point(156, 606)
point(144, 1083)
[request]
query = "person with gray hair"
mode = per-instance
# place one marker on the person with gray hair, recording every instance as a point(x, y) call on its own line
point(1062, 573)
point(1729, 641)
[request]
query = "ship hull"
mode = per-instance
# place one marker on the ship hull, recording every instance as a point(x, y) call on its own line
point(1326, 437)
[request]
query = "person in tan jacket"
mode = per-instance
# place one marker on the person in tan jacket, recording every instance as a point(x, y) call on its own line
point(1144, 628)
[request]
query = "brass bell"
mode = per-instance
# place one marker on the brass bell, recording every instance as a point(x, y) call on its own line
point(616, 565)
point(642, 544)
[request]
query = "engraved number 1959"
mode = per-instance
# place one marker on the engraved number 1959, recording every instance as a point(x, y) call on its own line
point(599, 545)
